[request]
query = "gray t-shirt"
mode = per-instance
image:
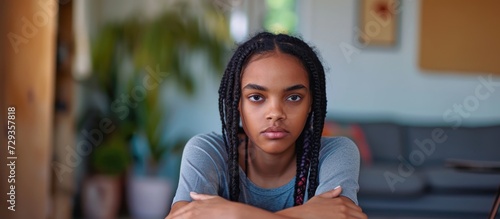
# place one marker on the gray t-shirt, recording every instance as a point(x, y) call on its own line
point(204, 170)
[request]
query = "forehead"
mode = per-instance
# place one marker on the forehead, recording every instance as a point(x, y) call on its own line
point(275, 69)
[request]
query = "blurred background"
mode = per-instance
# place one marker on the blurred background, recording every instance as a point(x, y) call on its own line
point(107, 92)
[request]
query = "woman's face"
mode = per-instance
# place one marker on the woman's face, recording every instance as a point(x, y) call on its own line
point(275, 101)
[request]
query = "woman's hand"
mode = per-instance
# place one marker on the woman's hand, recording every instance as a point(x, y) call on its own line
point(327, 205)
point(206, 206)
point(332, 205)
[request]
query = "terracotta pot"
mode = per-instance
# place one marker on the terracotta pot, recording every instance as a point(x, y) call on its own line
point(101, 196)
point(149, 197)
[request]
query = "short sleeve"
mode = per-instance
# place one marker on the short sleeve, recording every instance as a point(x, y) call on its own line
point(202, 167)
point(339, 162)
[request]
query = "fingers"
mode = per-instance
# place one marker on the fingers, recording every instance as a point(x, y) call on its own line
point(332, 193)
point(188, 207)
point(350, 204)
point(358, 214)
point(181, 211)
point(332, 204)
point(335, 193)
point(198, 197)
point(347, 207)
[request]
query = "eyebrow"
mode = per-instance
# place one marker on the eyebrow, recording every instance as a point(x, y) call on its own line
point(295, 87)
point(262, 88)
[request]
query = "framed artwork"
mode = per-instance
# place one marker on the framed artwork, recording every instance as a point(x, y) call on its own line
point(378, 22)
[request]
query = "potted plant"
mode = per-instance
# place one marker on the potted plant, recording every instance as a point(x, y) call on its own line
point(101, 196)
point(163, 44)
point(149, 193)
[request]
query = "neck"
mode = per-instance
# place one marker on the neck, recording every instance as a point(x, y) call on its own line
point(269, 170)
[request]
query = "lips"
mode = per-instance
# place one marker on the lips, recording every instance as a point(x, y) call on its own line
point(275, 132)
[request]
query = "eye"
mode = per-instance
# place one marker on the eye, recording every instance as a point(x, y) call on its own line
point(255, 98)
point(294, 98)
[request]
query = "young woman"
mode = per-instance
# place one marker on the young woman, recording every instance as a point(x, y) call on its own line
point(277, 165)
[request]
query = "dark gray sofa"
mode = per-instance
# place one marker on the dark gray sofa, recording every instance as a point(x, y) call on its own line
point(409, 175)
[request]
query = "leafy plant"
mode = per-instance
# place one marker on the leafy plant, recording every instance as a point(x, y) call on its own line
point(112, 157)
point(165, 43)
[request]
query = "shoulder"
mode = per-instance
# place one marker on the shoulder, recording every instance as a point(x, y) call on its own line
point(337, 143)
point(211, 138)
point(342, 147)
point(211, 144)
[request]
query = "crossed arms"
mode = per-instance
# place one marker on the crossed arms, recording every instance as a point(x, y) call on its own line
point(327, 205)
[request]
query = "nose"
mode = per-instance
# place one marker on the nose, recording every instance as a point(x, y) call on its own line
point(276, 111)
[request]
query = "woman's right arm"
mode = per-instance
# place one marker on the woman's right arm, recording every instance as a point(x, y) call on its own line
point(201, 167)
point(208, 206)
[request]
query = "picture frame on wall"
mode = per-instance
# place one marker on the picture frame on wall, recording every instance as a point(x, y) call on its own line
point(378, 22)
point(459, 37)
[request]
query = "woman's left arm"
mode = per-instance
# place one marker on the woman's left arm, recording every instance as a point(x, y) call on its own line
point(327, 205)
point(339, 164)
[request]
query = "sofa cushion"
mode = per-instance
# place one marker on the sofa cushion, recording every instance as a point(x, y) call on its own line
point(387, 180)
point(352, 131)
point(443, 179)
point(385, 141)
point(435, 144)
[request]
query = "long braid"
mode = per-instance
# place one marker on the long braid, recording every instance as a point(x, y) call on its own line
point(303, 162)
point(317, 130)
point(224, 110)
point(317, 84)
point(308, 143)
point(229, 95)
point(319, 112)
point(232, 115)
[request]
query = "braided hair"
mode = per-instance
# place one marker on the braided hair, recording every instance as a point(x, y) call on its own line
point(309, 141)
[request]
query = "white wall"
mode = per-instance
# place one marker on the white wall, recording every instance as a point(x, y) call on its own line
point(388, 83)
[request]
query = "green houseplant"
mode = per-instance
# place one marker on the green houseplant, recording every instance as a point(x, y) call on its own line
point(165, 45)
point(111, 158)
point(101, 191)
point(124, 56)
